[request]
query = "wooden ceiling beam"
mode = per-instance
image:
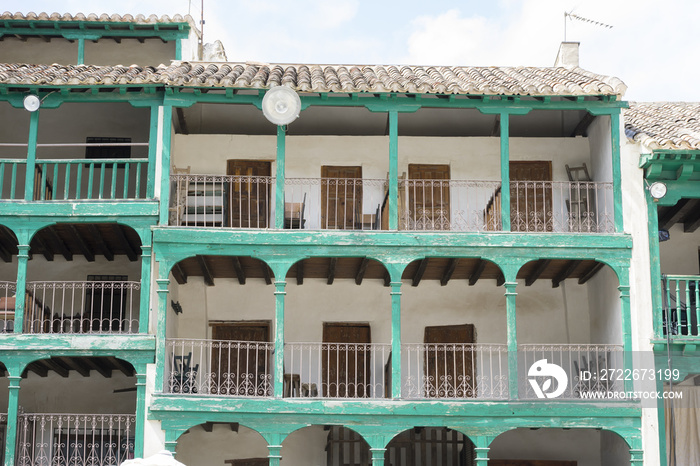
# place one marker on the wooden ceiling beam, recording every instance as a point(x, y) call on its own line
point(99, 239)
point(331, 270)
point(449, 270)
point(566, 273)
point(75, 365)
point(420, 271)
point(59, 244)
point(208, 426)
point(38, 369)
point(692, 222)
point(95, 364)
point(476, 274)
point(123, 366)
point(582, 126)
point(590, 273)
point(206, 273)
point(240, 274)
point(360, 275)
point(45, 249)
point(387, 278)
point(676, 213)
point(124, 241)
point(542, 265)
point(300, 272)
point(267, 273)
point(82, 245)
point(56, 367)
point(179, 275)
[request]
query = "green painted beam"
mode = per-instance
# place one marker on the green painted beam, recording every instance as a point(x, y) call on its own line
point(81, 211)
point(53, 96)
point(96, 30)
point(73, 345)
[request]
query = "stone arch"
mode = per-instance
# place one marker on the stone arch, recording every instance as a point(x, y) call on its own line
point(438, 445)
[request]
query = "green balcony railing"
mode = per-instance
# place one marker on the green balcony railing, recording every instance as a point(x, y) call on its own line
point(681, 313)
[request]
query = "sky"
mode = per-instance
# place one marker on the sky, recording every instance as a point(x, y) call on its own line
point(651, 45)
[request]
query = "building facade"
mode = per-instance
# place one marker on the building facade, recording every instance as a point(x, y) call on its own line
point(377, 282)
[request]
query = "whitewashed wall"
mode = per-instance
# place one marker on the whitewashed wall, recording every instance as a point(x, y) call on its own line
point(679, 255)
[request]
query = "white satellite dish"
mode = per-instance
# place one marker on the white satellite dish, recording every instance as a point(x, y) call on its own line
point(32, 103)
point(281, 105)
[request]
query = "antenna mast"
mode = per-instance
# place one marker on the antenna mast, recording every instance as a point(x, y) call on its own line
point(570, 15)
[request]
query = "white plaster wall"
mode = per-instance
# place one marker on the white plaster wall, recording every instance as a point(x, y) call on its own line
point(606, 313)
point(599, 131)
point(613, 450)
point(202, 448)
point(39, 269)
point(581, 445)
point(305, 446)
point(679, 255)
point(74, 394)
point(105, 52)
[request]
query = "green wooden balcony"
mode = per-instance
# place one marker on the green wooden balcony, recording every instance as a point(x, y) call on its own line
point(680, 316)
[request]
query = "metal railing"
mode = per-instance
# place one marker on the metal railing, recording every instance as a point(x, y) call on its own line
point(336, 204)
point(7, 306)
point(589, 369)
point(681, 299)
point(76, 179)
point(219, 201)
point(454, 205)
point(337, 370)
point(219, 367)
point(74, 439)
point(455, 371)
point(562, 206)
point(82, 307)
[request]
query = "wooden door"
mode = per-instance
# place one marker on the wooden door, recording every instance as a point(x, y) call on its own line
point(449, 369)
point(341, 197)
point(239, 366)
point(105, 303)
point(249, 193)
point(429, 196)
point(346, 368)
point(531, 202)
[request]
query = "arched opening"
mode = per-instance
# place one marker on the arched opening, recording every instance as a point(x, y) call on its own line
point(453, 330)
point(430, 446)
point(325, 445)
point(76, 407)
point(569, 313)
point(8, 278)
point(337, 338)
point(84, 278)
point(559, 447)
point(220, 327)
point(217, 443)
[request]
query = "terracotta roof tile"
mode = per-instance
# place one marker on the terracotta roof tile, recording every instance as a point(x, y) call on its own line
point(330, 78)
point(115, 18)
point(664, 125)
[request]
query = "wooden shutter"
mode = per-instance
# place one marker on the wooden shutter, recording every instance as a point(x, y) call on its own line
point(346, 369)
point(449, 370)
point(249, 198)
point(341, 197)
point(239, 369)
point(429, 196)
point(530, 201)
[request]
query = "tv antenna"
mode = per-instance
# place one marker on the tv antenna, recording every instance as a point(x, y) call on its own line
point(571, 16)
point(201, 19)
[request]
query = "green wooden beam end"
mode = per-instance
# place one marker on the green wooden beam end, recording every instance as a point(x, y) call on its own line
point(31, 156)
point(280, 293)
point(393, 170)
point(505, 172)
point(279, 182)
point(616, 171)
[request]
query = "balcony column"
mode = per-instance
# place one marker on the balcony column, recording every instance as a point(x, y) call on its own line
point(625, 309)
point(165, 123)
point(12, 421)
point(655, 266)
point(274, 454)
point(393, 170)
point(162, 291)
point(145, 296)
point(140, 410)
point(280, 293)
point(510, 270)
point(153, 144)
point(377, 456)
point(395, 271)
point(482, 450)
point(31, 156)
point(21, 286)
point(505, 171)
point(280, 176)
point(616, 170)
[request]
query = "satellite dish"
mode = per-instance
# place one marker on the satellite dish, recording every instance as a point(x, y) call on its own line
point(281, 105)
point(32, 103)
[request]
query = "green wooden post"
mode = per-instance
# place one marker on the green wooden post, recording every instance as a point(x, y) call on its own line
point(636, 451)
point(626, 321)
point(145, 297)
point(152, 153)
point(378, 456)
point(166, 128)
point(171, 436)
point(178, 49)
point(21, 284)
point(396, 376)
point(512, 340)
point(481, 450)
point(505, 171)
point(161, 328)
point(12, 421)
point(31, 156)
point(279, 186)
point(616, 171)
point(280, 294)
point(139, 428)
point(393, 170)
point(81, 51)
point(274, 454)
point(655, 265)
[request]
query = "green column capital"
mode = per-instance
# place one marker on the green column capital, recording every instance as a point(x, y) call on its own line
point(162, 285)
point(377, 456)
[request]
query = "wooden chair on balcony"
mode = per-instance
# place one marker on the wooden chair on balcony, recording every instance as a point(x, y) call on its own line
point(294, 214)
